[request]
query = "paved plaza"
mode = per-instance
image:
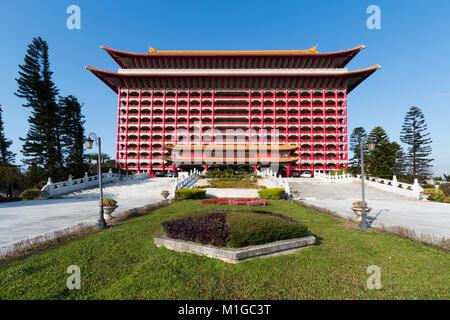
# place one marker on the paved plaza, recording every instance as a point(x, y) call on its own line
point(389, 209)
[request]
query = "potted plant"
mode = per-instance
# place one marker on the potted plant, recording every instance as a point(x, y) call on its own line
point(357, 209)
point(165, 194)
point(109, 205)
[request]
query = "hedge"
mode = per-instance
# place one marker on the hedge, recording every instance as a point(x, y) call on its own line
point(434, 194)
point(183, 194)
point(272, 194)
point(258, 228)
point(30, 194)
point(234, 228)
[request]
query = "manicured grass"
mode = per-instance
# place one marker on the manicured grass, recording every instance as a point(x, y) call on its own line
point(122, 262)
point(235, 183)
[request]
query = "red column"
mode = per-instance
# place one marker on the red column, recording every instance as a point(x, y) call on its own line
point(288, 170)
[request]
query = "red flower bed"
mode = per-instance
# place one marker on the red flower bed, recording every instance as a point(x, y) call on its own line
point(252, 202)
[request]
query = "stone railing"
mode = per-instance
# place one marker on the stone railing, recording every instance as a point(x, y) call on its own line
point(335, 176)
point(52, 189)
point(192, 178)
point(409, 190)
point(278, 181)
point(283, 183)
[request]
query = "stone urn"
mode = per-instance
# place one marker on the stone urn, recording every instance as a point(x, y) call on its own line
point(357, 209)
point(107, 210)
point(109, 205)
point(165, 194)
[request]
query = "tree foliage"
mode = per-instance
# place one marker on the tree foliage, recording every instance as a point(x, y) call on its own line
point(42, 145)
point(357, 135)
point(72, 133)
point(416, 136)
point(6, 156)
point(382, 161)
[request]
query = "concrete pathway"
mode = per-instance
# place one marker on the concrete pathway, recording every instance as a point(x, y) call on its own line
point(28, 219)
point(424, 217)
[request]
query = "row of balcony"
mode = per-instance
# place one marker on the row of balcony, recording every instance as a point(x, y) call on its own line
point(233, 93)
point(228, 103)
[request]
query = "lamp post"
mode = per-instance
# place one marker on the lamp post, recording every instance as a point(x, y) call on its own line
point(364, 224)
point(101, 223)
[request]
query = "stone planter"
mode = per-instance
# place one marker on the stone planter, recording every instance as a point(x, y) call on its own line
point(358, 212)
point(107, 210)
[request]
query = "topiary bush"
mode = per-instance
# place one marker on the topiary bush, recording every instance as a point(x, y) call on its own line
point(206, 229)
point(258, 228)
point(234, 228)
point(183, 194)
point(434, 194)
point(30, 194)
point(447, 200)
point(272, 194)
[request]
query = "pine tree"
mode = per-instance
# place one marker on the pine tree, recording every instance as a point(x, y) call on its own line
point(381, 162)
point(6, 156)
point(42, 145)
point(414, 134)
point(72, 133)
point(357, 135)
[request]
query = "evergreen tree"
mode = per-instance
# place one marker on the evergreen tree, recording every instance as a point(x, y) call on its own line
point(414, 134)
point(381, 162)
point(42, 145)
point(6, 156)
point(72, 133)
point(357, 135)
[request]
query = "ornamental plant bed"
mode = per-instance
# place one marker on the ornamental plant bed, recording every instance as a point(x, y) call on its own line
point(251, 202)
point(234, 229)
point(234, 236)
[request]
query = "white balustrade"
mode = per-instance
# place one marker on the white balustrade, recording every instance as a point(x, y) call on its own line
point(52, 189)
point(194, 175)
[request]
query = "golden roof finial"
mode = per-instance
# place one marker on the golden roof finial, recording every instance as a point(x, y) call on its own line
point(313, 49)
point(151, 50)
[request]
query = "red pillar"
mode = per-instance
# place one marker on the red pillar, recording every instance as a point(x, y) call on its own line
point(206, 167)
point(255, 168)
point(288, 170)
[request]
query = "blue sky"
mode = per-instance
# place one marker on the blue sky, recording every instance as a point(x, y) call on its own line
point(412, 47)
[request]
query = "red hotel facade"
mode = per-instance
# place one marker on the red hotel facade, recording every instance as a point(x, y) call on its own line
point(184, 109)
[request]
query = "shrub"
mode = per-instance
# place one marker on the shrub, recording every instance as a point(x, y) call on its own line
point(445, 187)
point(108, 202)
point(434, 194)
point(207, 229)
point(233, 228)
point(272, 194)
point(183, 194)
point(30, 194)
point(257, 228)
point(447, 200)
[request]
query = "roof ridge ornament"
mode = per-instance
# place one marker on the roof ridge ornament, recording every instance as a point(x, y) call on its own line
point(152, 50)
point(313, 49)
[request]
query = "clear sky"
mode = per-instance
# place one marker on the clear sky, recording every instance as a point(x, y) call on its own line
point(412, 46)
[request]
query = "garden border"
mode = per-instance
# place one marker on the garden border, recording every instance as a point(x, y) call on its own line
point(232, 255)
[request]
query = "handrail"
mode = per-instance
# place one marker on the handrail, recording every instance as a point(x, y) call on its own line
point(52, 189)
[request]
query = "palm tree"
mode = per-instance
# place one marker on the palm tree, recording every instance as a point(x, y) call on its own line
point(90, 157)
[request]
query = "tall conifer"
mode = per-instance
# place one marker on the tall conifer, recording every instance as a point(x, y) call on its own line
point(416, 136)
point(42, 145)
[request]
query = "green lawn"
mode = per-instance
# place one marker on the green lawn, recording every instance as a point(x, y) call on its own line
point(123, 263)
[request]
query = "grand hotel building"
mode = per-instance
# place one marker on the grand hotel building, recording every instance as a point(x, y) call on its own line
point(180, 109)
